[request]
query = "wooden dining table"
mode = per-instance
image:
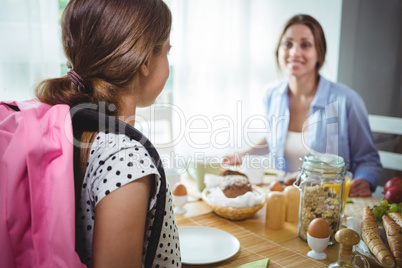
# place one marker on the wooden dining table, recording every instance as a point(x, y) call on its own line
point(283, 247)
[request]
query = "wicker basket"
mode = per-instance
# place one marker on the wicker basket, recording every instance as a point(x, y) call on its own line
point(232, 213)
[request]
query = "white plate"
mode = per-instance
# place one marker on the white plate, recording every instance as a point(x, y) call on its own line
point(203, 245)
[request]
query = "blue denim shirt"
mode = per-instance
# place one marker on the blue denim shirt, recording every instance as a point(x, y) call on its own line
point(337, 124)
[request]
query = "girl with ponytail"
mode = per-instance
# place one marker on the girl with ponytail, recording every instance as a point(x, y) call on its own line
point(117, 55)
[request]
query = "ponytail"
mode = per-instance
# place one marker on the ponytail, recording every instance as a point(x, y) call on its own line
point(63, 91)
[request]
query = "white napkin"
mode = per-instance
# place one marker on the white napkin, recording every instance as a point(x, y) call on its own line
point(212, 181)
point(217, 196)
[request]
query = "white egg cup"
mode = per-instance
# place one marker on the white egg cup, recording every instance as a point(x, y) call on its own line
point(179, 202)
point(318, 245)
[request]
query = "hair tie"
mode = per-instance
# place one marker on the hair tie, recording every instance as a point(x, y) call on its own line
point(76, 79)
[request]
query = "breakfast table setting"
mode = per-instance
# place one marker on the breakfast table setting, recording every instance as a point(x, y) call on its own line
point(209, 238)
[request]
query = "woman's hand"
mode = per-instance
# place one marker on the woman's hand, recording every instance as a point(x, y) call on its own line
point(261, 148)
point(360, 188)
point(232, 160)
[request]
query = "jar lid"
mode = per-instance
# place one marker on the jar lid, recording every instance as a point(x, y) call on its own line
point(325, 162)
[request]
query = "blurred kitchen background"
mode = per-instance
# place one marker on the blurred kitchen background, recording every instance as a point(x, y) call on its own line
point(222, 58)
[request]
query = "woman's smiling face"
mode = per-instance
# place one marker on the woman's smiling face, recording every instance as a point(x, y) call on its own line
point(297, 52)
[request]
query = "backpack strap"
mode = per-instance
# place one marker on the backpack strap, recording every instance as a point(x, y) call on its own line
point(14, 107)
point(90, 120)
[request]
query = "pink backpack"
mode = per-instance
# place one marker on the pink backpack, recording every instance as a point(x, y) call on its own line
point(37, 209)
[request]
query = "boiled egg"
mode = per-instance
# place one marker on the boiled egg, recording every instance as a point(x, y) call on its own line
point(179, 189)
point(318, 228)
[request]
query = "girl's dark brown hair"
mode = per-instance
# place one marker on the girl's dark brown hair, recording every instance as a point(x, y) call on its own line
point(318, 33)
point(106, 42)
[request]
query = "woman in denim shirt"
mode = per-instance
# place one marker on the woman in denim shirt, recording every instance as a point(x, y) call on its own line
point(307, 113)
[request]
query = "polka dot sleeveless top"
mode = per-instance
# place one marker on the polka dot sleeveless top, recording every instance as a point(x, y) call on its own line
point(114, 161)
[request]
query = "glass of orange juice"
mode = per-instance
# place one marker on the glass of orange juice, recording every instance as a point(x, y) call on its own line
point(348, 181)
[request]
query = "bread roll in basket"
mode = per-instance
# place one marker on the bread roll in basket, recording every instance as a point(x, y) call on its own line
point(233, 213)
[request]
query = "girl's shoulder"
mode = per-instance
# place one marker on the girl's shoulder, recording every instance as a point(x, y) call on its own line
point(114, 161)
point(112, 143)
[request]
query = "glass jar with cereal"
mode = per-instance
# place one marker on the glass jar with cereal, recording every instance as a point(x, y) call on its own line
point(322, 185)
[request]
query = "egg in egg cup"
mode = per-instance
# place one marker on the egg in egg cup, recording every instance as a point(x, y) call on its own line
point(179, 198)
point(318, 238)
